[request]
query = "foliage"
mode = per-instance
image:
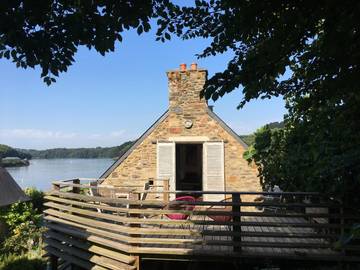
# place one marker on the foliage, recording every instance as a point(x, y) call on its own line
point(23, 220)
point(305, 51)
point(98, 152)
point(37, 199)
point(347, 238)
point(317, 154)
point(16, 262)
point(7, 151)
point(48, 33)
point(26, 237)
point(317, 41)
point(20, 212)
point(250, 139)
point(274, 125)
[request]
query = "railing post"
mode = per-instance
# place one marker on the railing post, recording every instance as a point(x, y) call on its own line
point(135, 196)
point(56, 187)
point(54, 259)
point(53, 262)
point(76, 189)
point(342, 224)
point(166, 188)
point(236, 211)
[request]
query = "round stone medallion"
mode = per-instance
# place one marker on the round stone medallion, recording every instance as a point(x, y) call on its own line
point(188, 123)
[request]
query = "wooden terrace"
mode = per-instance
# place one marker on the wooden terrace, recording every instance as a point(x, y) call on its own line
point(102, 227)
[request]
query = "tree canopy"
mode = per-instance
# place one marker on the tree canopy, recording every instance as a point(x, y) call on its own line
point(305, 51)
point(47, 33)
point(317, 41)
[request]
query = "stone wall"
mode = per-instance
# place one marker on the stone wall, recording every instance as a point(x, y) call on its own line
point(185, 104)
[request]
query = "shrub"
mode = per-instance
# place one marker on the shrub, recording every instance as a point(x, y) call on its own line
point(21, 212)
point(37, 199)
point(16, 262)
point(26, 237)
point(23, 222)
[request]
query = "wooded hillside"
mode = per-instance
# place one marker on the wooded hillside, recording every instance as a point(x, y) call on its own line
point(250, 138)
point(98, 152)
point(7, 151)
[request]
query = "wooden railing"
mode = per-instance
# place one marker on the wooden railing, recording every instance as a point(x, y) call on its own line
point(97, 232)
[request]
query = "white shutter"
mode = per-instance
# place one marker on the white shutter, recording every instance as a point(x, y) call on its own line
point(166, 163)
point(213, 174)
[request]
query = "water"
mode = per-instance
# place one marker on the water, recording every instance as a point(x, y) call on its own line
point(41, 172)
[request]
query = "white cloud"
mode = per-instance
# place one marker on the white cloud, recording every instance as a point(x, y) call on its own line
point(117, 133)
point(35, 134)
point(94, 136)
point(41, 139)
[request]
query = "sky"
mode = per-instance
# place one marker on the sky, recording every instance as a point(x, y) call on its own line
point(107, 100)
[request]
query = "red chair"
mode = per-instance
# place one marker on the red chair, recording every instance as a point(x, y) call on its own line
point(219, 217)
point(178, 206)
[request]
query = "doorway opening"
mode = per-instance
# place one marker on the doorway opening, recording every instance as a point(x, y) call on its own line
point(189, 166)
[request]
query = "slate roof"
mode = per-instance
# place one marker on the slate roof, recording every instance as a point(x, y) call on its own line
point(10, 192)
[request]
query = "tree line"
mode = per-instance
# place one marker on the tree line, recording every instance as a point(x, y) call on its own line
point(249, 139)
point(97, 152)
point(7, 151)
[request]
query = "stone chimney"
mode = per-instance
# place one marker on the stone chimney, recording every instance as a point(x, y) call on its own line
point(185, 86)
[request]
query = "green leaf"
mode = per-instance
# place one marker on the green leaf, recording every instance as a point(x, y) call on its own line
point(140, 29)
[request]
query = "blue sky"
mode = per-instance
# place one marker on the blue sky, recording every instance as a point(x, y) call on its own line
point(104, 101)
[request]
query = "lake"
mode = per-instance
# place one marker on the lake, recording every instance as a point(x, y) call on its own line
point(41, 172)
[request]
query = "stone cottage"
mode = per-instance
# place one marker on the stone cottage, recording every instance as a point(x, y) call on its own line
point(189, 144)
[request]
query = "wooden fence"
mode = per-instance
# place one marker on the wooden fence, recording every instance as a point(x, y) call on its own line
point(106, 232)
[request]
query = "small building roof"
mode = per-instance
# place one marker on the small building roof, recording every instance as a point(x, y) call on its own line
point(10, 192)
point(11, 158)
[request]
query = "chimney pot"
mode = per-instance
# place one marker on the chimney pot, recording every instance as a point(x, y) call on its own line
point(182, 67)
point(193, 66)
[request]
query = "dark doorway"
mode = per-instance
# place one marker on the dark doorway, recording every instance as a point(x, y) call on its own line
point(189, 159)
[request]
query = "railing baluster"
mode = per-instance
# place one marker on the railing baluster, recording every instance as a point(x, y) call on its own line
point(342, 224)
point(53, 262)
point(166, 195)
point(135, 196)
point(76, 189)
point(236, 210)
point(56, 187)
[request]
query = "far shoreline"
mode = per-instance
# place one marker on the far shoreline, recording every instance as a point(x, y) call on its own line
point(10, 162)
